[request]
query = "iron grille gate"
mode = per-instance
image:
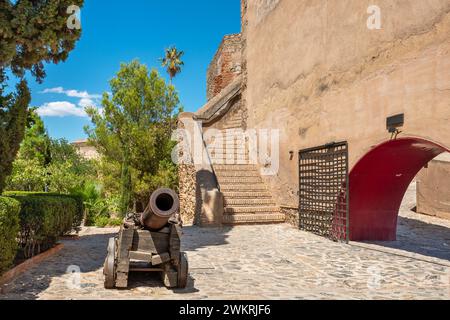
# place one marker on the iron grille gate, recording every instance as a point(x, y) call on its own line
point(324, 191)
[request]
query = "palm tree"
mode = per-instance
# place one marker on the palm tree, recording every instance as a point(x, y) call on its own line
point(172, 62)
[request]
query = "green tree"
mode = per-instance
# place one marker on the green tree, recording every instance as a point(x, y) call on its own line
point(134, 129)
point(172, 62)
point(31, 32)
point(44, 164)
point(13, 119)
point(36, 143)
point(27, 175)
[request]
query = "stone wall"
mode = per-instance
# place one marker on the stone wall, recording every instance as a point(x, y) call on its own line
point(316, 72)
point(235, 111)
point(225, 66)
point(201, 203)
point(292, 215)
point(187, 194)
point(433, 188)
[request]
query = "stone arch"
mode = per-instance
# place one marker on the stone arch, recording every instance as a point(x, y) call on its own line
point(378, 183)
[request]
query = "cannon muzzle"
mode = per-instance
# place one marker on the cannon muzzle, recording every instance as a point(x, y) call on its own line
point(164, 203)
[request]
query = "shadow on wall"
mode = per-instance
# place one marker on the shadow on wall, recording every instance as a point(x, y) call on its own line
point(208, 207)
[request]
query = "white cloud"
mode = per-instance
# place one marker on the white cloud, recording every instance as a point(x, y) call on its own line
point(86, 99)
point(60, 109)
point(87, 102)
point(54, 90)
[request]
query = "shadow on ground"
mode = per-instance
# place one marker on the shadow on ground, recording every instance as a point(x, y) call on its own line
point(195, 238)
point(88, 253)
point(422, 238)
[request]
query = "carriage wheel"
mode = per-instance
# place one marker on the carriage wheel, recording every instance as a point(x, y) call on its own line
point(183, 271)
point(109, 268)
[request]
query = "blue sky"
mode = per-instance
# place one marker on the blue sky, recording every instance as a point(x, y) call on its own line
point(119, 31)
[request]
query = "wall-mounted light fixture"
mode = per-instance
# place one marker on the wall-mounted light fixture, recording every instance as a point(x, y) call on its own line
point(394, 124)
point(291, 155)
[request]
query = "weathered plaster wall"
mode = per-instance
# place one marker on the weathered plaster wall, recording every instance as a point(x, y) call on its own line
point(317, 73)
point(433, 188)
point(225, 66)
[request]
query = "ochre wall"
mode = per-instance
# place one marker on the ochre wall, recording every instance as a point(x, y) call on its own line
point(433, 189)
point(317, 73)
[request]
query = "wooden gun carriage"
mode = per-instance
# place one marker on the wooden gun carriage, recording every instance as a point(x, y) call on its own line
point(149, 242)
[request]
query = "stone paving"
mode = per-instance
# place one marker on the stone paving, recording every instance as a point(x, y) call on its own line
point(263, 262)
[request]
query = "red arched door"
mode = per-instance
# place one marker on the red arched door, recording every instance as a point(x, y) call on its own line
point(378, 183)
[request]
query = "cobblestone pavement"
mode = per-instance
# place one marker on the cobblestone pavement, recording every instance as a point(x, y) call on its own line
point(263, 262)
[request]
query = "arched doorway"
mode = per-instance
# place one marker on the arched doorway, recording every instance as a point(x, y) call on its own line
point(378, 183)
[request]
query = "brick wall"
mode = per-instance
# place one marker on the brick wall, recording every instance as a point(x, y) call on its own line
point(225, 66)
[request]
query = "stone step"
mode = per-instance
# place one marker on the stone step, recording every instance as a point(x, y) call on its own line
point(242, 181)
point(232, 126)
point(246, 195)
point(243, 188)
point(252, 210)
point(230, 160)
point(234, 118)
point(248, 202)
point(230, 153)
point(234, 142)
point(227, 136)
point(236, 174)
point(231, 149)
point(254, 219)
point(231, 167)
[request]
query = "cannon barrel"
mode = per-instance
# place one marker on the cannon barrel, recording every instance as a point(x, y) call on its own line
point(164, 203)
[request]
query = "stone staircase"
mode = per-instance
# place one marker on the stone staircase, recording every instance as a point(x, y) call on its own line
point(246, 197)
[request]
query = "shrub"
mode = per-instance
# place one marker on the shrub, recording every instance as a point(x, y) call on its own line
point(9, 228)
point(43, 219)
point(115, 222)
point(79, 213)
point(101, 222)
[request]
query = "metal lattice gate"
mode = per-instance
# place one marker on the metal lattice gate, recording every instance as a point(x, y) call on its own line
point(324, 191)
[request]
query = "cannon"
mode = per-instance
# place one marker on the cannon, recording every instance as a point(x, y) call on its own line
point(149, 242)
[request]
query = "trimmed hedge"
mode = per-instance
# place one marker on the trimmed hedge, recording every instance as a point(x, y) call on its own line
point(9, 228)
point(79, 215)
point(44, 218)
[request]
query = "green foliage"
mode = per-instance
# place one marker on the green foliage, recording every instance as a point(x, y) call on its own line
point(31, 33)
point(98, 208)
point(115, 222)
point(13, 118)
point(44, 218)
point(35, 31)
point(36, 143)
point(101, 222)
point(46, 164)
point(9, 228)
point(27, 175)
point(134, 130)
